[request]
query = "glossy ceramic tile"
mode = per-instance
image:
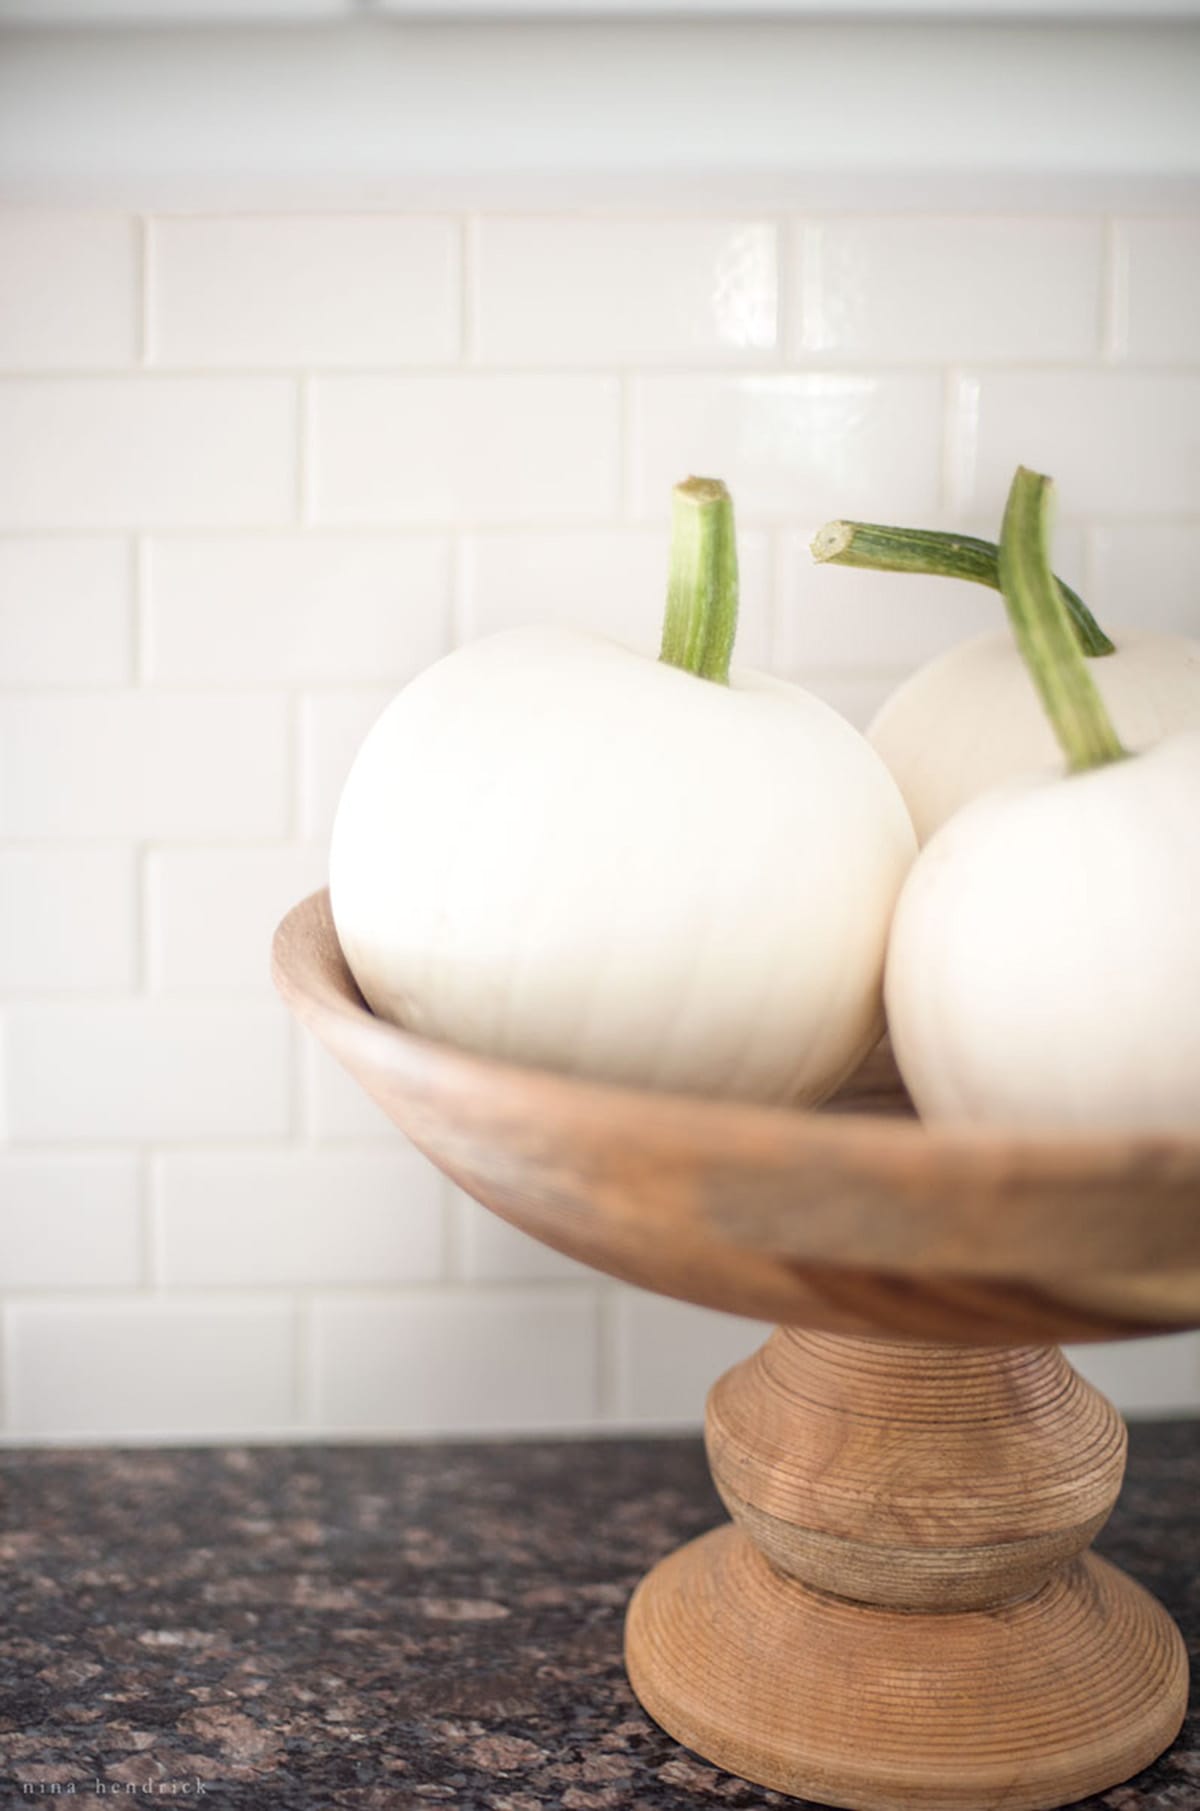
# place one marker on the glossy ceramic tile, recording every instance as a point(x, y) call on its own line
point(109, 452)
point(68, 919)
point(457, 1361)
point(795, 446)
point(294, 1217)
point(174, 765)
point(66, 611)
point(329, 290)
point(464, 449)
point(626, 292)
point(1159, 273)
point(70, 290)
point(294, 610)
point(924, 289)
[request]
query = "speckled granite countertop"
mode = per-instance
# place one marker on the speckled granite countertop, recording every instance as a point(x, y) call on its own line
point(403, 1626)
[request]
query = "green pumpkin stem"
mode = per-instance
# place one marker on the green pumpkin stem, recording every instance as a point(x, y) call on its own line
point(702, 586)
point(1044, 631)
point(876, 548)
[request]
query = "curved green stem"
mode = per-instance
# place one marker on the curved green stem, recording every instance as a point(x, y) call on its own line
point(1044, 632)
point(702, 586)
point(879, 549)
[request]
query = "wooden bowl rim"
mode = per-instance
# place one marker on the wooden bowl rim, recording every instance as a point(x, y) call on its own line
point(335, 1008)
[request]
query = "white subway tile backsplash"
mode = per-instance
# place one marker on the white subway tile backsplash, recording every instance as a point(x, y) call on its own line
point(300, 1217)
point(68, 919)
point(1146, 577)
point(670, 1354)
point(212, 912)
point(70, 290)
point(147, 452)
point(171, 765)
point(836, 618)
point(1121, 442)
point(1161, 271)
point(231, 531)
point(66, 611)
point(1145, 1376)
point(585, 292)
point(612, 583)
point(139, 1070)
point(793, 447)
point(332, 728)
point(150, 1368)
point(70, 1222)
point(918, 289)
point(280, 610)
point(336, 289)
point(481, 448)
point(462, 1361)
point(492, 1251)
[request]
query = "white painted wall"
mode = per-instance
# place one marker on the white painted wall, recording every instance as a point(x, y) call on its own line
point(248, 484)
point(795, 113)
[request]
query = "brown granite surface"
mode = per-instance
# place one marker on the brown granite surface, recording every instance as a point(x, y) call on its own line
point(402, 1626)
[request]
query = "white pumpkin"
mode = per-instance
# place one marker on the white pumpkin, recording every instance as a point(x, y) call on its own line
point(1044, 967)
point(971, 719)
point(556, 851)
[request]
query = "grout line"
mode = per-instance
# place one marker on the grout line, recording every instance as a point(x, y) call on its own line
point(510, 527)
point(747, 367)
point(232, 841)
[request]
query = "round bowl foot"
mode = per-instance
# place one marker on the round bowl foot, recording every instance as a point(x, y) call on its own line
point(1024, 1706)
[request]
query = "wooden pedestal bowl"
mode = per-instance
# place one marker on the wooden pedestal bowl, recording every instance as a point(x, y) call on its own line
point(903, 1612)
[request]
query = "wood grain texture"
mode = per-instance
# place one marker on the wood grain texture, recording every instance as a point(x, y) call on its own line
point(922, 1476)
point(1021, 1708)
point(854, 1218)
point(904, 1617)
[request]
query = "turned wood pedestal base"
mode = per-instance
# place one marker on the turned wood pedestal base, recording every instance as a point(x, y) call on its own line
point(904, 1615)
